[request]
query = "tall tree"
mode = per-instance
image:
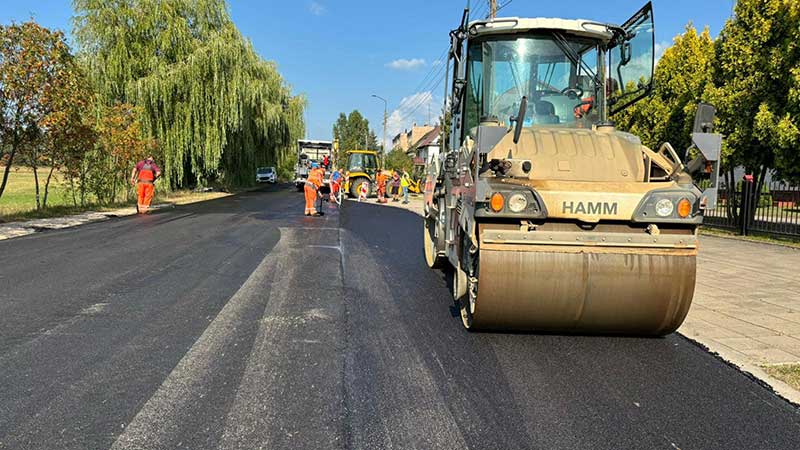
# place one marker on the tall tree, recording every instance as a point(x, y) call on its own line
point(213, 104)
point(353, 132)
point(37, 77)
point(757, 79)
point(69, 128)
point(119, 135)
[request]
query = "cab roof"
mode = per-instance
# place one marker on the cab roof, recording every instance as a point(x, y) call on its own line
point(503, 25)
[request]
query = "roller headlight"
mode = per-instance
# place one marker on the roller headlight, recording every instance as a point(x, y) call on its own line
point(517, 203)
point(664, 207)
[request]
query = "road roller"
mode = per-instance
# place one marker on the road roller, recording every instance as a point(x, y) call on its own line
point(549, 218)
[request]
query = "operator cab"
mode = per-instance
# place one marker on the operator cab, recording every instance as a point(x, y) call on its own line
point(362, 162)
point(573, 73)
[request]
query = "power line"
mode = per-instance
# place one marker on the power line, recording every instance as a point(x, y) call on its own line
point(426, 86)
point(434, 67)
point(434, 77)
point(499, 8)
point(427, 94)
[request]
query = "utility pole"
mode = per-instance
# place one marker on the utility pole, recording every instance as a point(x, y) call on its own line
point(385, 117)
point(492, 8)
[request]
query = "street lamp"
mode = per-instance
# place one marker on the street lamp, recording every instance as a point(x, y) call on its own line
point(385, 107)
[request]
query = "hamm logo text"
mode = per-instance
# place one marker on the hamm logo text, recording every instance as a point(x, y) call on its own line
point(590, 208)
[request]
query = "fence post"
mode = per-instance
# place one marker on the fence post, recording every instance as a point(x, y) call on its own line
point(747, 203)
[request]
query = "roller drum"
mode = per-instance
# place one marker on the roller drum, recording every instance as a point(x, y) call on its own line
point(615, 291)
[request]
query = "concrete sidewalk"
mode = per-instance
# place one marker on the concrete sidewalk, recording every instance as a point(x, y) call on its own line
point(746, 305)
point(747, 300)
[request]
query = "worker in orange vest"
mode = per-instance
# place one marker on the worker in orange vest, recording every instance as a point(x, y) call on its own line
point(313, 183)
point(144, 176)
point(380, 180)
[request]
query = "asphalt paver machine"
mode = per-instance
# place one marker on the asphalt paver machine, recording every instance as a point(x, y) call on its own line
point(549, 217)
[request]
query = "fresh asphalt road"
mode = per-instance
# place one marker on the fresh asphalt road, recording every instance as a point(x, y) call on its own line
point(240, 324)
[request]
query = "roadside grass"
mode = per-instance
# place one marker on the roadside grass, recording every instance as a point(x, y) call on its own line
point(788, 241)
point(19, 199)
point(20, 194)
point(788, 373)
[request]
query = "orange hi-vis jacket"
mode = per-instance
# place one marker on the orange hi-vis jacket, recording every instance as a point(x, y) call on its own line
point(313, 183)
point(147, 174)
point(380, 180)
point(315, 177)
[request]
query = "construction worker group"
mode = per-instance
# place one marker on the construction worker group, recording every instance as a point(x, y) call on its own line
point(146, 172)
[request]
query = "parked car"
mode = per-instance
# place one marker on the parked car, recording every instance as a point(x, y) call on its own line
point(266, 175)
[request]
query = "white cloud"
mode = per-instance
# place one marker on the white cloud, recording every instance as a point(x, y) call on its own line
point(661, 47)
point(412, 109)
point(316, 8)
point(406, 64)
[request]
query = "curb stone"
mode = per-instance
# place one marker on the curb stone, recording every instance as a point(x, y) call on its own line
point(28, 227)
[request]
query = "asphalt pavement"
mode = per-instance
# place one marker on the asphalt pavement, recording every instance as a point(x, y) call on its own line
point(239, 323)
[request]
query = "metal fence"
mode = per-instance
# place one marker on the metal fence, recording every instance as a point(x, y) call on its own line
point(774, 211)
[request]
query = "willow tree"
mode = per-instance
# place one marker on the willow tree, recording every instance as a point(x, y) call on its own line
point(214, 106)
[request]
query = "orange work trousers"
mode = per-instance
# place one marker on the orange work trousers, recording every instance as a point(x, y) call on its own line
point(146, 192)
point(311, 199)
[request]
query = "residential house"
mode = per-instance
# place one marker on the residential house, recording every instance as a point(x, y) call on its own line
point(427, 147)
point(407, 138)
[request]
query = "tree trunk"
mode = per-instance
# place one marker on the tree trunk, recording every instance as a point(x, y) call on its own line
point(72, 191)
point(113, 184)
point(47, 185)
point(8, 165)
point(758, 184)
point(84, 172)
point(731, 201)
point(36, 182)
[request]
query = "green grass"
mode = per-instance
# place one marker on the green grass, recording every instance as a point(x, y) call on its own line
point(19, 199)
point(20, 194)
point(788, 373)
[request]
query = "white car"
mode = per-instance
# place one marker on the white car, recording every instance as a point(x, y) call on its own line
point(266, 175)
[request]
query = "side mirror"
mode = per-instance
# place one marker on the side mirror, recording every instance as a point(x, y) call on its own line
point(624, 54)
point(520, 119)
point(458, 90)
point(704, 119)
point(450, 164)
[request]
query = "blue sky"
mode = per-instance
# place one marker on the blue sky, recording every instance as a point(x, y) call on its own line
point(340, 52)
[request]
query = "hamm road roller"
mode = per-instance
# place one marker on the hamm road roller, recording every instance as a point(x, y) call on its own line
point(549, 217)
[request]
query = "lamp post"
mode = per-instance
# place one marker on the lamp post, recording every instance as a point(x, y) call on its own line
point(385, 107)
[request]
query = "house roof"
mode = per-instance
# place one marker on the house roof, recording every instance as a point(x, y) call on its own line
point(429, 138)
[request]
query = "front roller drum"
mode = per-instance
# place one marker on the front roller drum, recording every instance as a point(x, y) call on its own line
point(613, 291)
